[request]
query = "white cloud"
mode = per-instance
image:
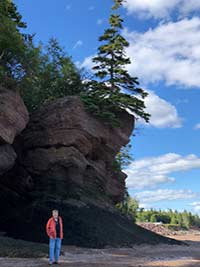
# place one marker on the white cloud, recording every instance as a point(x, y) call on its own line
point(170, 53)
point(197, 126)
point(77, 44)
point(196, 206)
point(87, 63)
point(164, 194)
point(163, 113)
point(145, 206)
point(149, 172)
point(189, 6)
point(160, 9)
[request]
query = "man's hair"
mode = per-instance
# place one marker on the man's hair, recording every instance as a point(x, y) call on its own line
point(54, 211)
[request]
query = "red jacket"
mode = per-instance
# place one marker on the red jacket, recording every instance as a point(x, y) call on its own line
point(51, 227)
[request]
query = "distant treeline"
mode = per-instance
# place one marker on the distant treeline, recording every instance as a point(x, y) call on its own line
point(185, 219)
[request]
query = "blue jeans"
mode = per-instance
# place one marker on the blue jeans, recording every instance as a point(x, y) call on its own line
point(54, 249)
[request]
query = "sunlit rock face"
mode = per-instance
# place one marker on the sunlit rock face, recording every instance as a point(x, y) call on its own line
point(69, 152)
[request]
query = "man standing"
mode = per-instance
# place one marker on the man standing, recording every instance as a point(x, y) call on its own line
point(54, 229)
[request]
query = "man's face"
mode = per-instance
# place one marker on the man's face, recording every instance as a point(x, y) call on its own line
point(55, 214)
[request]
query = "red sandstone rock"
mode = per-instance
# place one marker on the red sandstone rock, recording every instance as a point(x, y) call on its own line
point(13, 115)
point(63, 140)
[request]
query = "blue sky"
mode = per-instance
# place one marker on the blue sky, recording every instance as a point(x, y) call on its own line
point(164, 48)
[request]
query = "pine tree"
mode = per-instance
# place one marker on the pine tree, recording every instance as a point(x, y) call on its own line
point(174, 219)
point(114, 88)
point(153, 218)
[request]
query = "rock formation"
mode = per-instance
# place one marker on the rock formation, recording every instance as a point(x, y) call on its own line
point(64, 160)
point(64, 143)
point(13, 119)
point(13, 116)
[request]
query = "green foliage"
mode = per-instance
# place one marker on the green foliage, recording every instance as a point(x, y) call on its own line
point(50, 74)
point(98, 104)
point(174, 219)
point(12, 45)
point(41, 74)
point(187, 219)
point(114, 88)
point(117, 4)
point(153, 218)
point(123, 158)
point(128, 206)
point(170, 218)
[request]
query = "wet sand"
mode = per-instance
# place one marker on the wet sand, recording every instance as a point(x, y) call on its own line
point(138, 256)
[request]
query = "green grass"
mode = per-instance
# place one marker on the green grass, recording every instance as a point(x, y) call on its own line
point(10, 247)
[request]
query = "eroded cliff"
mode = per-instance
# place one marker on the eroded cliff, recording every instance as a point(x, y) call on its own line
point(64, 160)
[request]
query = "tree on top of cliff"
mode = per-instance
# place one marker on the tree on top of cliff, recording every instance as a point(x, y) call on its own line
point(50, 75)
point(12, 45)
point(114, 89)
point(40, 73)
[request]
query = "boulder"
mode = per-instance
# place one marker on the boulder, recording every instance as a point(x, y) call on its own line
point(13, 116)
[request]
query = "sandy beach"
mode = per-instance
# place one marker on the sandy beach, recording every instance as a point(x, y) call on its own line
point(139, 256)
